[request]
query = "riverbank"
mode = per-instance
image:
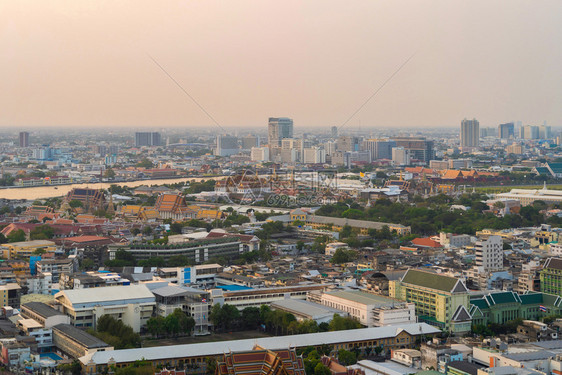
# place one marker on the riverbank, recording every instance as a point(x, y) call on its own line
point(52, 191)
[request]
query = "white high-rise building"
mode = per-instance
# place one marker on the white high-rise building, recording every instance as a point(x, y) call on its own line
point(226, 145)
point(489, 254)
point(314, 155)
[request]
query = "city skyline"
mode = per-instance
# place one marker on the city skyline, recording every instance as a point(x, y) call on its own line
point(75, 64)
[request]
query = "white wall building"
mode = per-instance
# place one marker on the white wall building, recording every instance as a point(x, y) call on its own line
point(400, 156)
point(259, 154)
point(371, 310)
point(454, 240)
point(489, 254)
point(133, 304)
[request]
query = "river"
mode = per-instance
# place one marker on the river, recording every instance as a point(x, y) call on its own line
point(41, 192)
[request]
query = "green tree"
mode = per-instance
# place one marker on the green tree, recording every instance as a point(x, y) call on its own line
point(42, 232)
point(16, 236)
point(156, 326)
point(346, 357)
point(75, 203)
point(321, 369)
point(145, 163)
point(109, 173)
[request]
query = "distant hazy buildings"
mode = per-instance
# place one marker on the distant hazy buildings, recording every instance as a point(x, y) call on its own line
point(348, 143)
point(334, 132)
point(24, 139)
point(401, 156)
point(260, 154)
point(379, 148)
point(226, 145)
point(250, 141)
point(279, 128)
point(420, 148)
point(147, 139)
point(530, 132)
point(507, 130)
point(470, 133)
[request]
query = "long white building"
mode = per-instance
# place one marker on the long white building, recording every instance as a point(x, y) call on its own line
point(133, 304)
point(371, 310)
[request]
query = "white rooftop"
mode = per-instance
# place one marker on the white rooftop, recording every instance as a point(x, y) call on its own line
point(106, 294)
point(273, 343)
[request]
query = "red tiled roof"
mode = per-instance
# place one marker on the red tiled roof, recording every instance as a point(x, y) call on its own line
point(426, 242)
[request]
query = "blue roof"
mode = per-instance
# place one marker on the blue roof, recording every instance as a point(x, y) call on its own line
point(233, 288)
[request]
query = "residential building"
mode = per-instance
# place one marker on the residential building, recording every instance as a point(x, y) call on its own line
point(24, 139)
point(259, 154)
point(133, 304)
point(57, 266)
point(440, 300)
point(348, 143)
point(454, 240)
point(27, 248)
point(470, 134)
point(147, 139)
point(489, 253)
point(10, 295)
point(507, 131)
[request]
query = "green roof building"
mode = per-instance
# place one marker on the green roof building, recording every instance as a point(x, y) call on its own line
point(502, 307)
point(440, 300)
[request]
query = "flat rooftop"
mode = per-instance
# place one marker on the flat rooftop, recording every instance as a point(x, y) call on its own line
point(305, 308)
point(364, 298)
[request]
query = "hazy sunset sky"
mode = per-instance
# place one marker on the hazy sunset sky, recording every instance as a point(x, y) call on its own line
point(85, 62)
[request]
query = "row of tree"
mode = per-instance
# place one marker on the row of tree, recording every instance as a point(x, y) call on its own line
point(229, 318)
point(175, 324)
point(116, 333)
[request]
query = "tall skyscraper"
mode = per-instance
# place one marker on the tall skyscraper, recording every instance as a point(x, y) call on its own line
point(147, 139)
point(334, 132)
point(279, 128)
point(470, 133)
point(24, 139)
point(420, 148)
point(379, 148)
point(507, 130)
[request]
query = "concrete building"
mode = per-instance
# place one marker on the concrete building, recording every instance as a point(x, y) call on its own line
point(307, 310)
point(489, 254)
point(57, 266)
point(226, 145)
point(470, 134)
point(10, 295)
point(194, 302)
point(506, 131)
point(26, 248)
point(24, 139)
point(528, 196)
point(401, 156)
point(369, 309)
point(278, 129)
point(259, 154)
point(147, 139)
point(390, 337)
point(454, 240)
point(501, 307)
point(440, 300)
point(75, 343)
point(133, 304)
point(420, 148)
point(43, 314)
point(379, 148)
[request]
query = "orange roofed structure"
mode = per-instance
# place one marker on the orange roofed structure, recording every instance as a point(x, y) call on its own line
point(261, 361)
